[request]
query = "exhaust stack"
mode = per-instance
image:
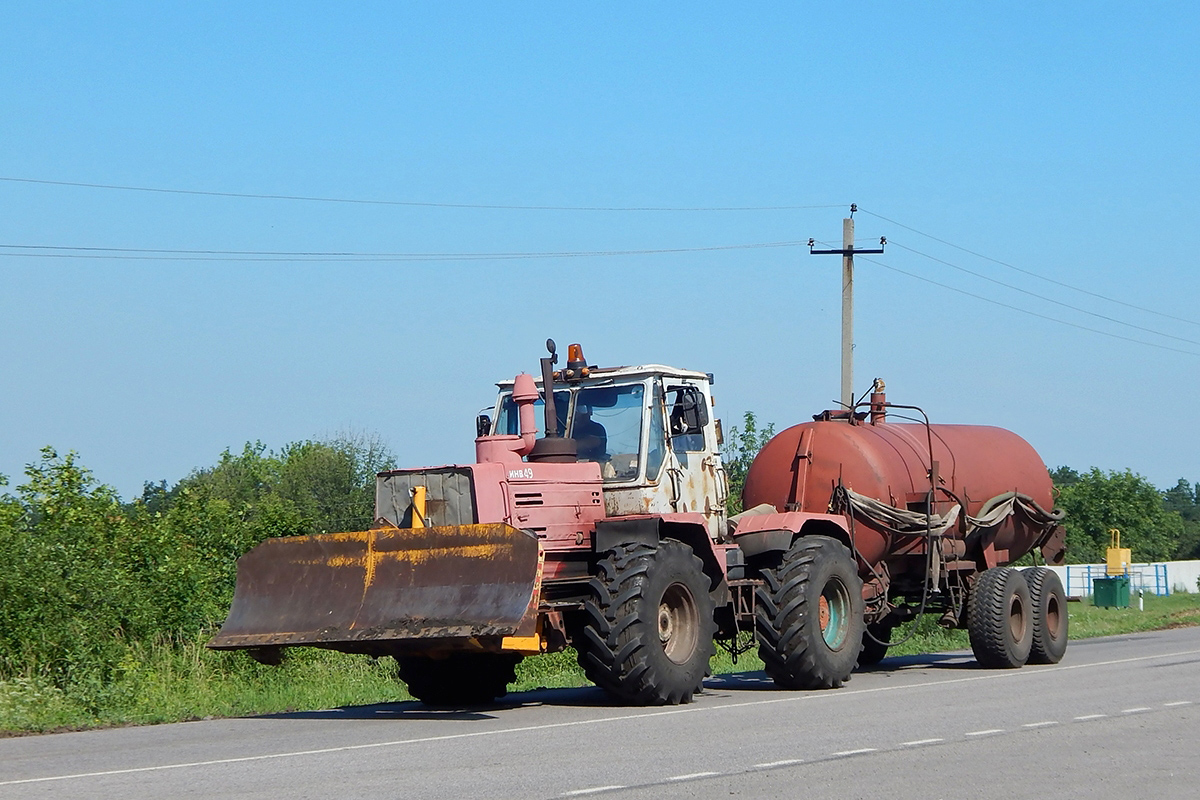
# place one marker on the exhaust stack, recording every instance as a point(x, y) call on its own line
point(553, 448)
point(511, 448)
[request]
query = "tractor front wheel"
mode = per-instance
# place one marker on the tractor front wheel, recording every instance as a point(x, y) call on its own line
point(649, 632)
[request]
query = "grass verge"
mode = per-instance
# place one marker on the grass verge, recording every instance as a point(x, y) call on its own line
point(167, 682)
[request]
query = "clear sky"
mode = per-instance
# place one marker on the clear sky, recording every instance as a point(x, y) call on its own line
point(1060, 139)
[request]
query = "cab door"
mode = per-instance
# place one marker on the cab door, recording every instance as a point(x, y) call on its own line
point(693, 466)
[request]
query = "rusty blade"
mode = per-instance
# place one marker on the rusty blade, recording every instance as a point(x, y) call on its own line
point(382, 584)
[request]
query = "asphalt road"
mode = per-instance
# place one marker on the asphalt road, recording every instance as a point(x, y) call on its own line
point(1120, 717)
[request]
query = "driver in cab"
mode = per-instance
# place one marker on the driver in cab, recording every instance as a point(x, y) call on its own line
point(591, 439)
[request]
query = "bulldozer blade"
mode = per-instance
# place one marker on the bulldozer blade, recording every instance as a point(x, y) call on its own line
point(348, 590)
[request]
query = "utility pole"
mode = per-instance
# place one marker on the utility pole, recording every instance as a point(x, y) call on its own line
point(847, 253)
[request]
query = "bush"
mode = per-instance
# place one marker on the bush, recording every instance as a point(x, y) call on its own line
point(1098, 501)
point(89, 580)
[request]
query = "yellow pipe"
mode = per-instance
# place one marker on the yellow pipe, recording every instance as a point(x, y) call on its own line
point(418, 507)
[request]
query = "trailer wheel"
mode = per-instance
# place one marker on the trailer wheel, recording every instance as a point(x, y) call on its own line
point(461, 679)
point(1000, 619)
point(810, 616)
point(649, 633)
point(872, 651)
point(1049, 603)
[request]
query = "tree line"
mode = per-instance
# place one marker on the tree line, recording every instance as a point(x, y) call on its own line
point(1156, 525)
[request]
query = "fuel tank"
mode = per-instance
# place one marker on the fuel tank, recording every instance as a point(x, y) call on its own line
point(800, 468)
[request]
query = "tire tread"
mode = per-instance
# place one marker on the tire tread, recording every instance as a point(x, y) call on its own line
point(614, 649)
point(783, 617)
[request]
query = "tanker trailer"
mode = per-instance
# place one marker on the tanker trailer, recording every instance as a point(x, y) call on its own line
point(922, 518)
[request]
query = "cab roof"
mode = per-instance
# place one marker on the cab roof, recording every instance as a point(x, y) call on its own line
point(607, 374)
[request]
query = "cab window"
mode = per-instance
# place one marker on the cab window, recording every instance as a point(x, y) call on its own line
point(606, 425)
point(689, 415)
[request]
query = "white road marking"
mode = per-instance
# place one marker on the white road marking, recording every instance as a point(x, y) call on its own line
point(988, 732)
point(797, 698)
point(1040, 724)
point(1091, 716)
point(783, 763)
point(916, 742)
point(854, 752)
point(692, 775)
point(1134, 710)
point(1178, 703)
point(593, 790)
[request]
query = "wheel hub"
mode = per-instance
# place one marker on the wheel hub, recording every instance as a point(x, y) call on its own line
point(833, 614)
point(1053, 620)
point(678, 623)
point(1016, 618)
point(665, 623)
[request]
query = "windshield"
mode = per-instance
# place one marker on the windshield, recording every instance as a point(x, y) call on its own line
point(607, 428)
point(508, 422)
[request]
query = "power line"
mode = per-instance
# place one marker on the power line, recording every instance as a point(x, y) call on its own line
point(1027, 311)
point(1043, 297)
point(407, 203)
point(150, 254)
point(1030, 272)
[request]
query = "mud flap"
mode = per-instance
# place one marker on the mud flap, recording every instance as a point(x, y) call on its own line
point(346, 591)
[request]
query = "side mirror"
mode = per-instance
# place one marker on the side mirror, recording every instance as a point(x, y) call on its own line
point(689, 414)
point(483, 425)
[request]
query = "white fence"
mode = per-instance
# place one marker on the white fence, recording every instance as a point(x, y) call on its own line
point(1159, 578)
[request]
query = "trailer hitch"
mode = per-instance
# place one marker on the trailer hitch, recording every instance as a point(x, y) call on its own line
point(742, 593)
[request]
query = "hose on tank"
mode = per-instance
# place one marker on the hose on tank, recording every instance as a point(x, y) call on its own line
point(905, 523)
point(843, 495)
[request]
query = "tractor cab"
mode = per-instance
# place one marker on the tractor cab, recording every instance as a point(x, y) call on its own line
point(650, 429)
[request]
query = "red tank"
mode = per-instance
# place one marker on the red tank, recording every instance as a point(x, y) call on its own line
point(799, 470)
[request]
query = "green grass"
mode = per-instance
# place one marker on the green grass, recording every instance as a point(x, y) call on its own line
point(170, 683)
point(1180, 610)
point(165, 683)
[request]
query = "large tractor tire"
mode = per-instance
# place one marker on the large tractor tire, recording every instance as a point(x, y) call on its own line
point(1049, 603)
point(460, 679)
point(810, 616)
point(874, 648)
point(1000, 619)
point(649, 632)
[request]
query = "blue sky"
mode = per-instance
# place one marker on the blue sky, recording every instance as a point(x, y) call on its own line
point(1062, 141)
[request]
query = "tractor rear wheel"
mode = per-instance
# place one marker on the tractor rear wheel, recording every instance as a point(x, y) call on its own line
point(460, 679)
point(1000, 619)
point(1049, 603)
point(872, 650)
point(649, 632)
point(810, 616)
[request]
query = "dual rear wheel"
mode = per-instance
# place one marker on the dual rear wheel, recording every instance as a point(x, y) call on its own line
point(1016, 617)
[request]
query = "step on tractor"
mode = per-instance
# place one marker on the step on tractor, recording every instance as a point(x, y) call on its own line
point(608, 533)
